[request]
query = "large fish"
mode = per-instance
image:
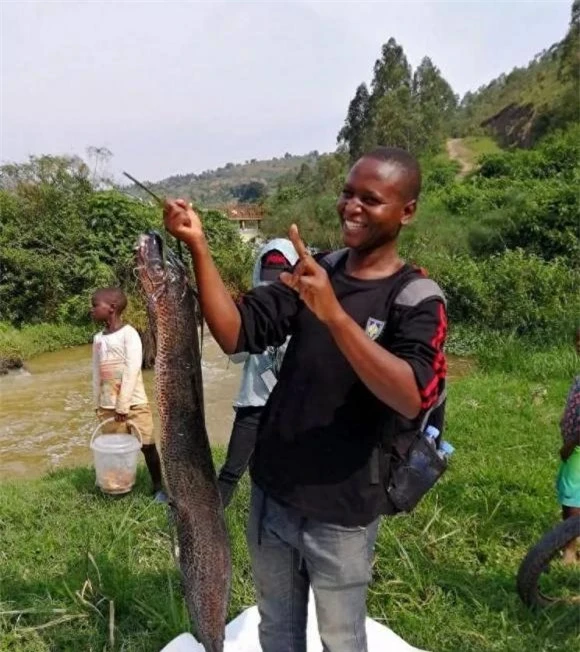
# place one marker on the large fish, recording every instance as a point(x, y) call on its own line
point(188, 469)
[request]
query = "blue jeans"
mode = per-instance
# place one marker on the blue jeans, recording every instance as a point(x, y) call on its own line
point(289, 554)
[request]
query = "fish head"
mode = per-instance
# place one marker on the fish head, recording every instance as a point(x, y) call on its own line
point(162, 275)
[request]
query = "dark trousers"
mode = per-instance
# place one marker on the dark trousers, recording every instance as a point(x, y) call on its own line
point(240, 449)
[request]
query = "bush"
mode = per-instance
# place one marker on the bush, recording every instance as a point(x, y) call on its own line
point(438, 174)
point(23, 343)
point(233, 257)
point(512, 292)
point(541, 218)
point(523, 199)
point(61, 239)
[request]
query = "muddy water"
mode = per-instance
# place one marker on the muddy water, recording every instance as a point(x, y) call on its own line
point(47, 416)
point(46, 412)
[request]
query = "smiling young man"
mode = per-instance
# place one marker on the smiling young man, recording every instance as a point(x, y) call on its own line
point(364, 353)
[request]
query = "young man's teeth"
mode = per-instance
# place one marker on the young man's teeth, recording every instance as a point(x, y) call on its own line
point(353, 225)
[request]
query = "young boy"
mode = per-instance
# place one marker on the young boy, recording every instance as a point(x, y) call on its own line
point(118, 388)
point(354, 370)
point(259, 375)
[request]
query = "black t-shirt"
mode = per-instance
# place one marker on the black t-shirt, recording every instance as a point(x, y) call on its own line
point(321, 424)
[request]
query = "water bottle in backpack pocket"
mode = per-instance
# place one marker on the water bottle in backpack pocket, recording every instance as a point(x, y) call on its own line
point(413, 475)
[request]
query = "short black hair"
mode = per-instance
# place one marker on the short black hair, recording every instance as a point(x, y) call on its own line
point(114, 296)
point(406, 162)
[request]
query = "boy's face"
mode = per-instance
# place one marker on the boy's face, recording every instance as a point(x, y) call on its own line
point(372, 206)
point(101, 310)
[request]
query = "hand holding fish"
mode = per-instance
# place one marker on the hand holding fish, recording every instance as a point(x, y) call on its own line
point(182, 221)
point(311, 282)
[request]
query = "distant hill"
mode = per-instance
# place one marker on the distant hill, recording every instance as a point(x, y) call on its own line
point(523, 105)
point(234, 182)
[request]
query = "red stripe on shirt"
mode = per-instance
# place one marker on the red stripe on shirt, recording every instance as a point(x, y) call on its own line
point(430, 393)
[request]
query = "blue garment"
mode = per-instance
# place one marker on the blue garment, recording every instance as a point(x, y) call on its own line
point(261, 370)
point(568, 480)
point(290, 554)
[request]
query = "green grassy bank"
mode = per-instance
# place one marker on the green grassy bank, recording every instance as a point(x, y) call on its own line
point(84, 572)
point(19, 344)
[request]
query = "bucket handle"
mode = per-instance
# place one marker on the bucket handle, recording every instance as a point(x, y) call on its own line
point(102, 423)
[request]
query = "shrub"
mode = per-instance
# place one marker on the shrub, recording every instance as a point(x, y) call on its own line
point(511, 292)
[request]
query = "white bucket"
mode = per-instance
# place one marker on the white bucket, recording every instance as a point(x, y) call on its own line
point(115, 457)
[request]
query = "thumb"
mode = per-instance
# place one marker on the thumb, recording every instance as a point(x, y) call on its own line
point(287, 279)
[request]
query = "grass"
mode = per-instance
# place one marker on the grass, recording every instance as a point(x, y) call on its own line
point(18, 344)
point(83, 572)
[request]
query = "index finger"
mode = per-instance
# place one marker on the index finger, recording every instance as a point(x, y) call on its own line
point(298, 242)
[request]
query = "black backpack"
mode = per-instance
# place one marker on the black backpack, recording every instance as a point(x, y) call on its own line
point(405, 462)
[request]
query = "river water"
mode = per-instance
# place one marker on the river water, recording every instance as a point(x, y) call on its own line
point(47, 415)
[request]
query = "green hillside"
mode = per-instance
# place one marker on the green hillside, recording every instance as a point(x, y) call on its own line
point(243, 182)
point(521, 106)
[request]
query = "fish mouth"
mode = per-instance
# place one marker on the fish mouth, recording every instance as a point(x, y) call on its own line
point(157, 266)
point(149, 248)
point(150, 267)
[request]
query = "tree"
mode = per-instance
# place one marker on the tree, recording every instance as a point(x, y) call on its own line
point(251, 192)
point(404, 110)
point(100, 157)
point(391, 72)
point(65, 172)
point(569, 69)
point(353, 132)
point(393, 121)
point(390, 101)
point(434, 108)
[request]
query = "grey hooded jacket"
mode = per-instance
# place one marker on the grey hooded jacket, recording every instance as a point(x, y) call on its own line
point(261, 371)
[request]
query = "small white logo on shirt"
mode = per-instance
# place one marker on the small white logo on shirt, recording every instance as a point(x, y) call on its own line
point(374, 328)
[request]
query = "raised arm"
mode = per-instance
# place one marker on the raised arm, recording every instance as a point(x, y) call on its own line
point(218, 307)
point(397, 379)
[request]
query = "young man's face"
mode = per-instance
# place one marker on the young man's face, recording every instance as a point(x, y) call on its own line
point(101, 310)
point(372, 206)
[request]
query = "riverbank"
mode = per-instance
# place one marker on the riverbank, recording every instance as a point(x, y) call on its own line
point(47, 413)
point(20, 344)
point(444, 577)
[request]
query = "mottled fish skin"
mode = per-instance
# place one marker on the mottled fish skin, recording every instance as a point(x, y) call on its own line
point(188, 469)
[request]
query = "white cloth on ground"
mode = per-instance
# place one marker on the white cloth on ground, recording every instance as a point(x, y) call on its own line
point(242, 636)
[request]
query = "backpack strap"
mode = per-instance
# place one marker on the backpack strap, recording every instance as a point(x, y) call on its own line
point(411, 294)
point(330, 261)
point(418, 290)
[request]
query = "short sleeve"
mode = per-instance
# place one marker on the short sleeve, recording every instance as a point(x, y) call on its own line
point(267, 314)
point(419, 339)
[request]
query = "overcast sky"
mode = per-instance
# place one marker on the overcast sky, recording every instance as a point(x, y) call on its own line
point(176, 87)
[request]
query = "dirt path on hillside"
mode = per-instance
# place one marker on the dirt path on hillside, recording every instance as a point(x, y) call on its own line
point(459, 152)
